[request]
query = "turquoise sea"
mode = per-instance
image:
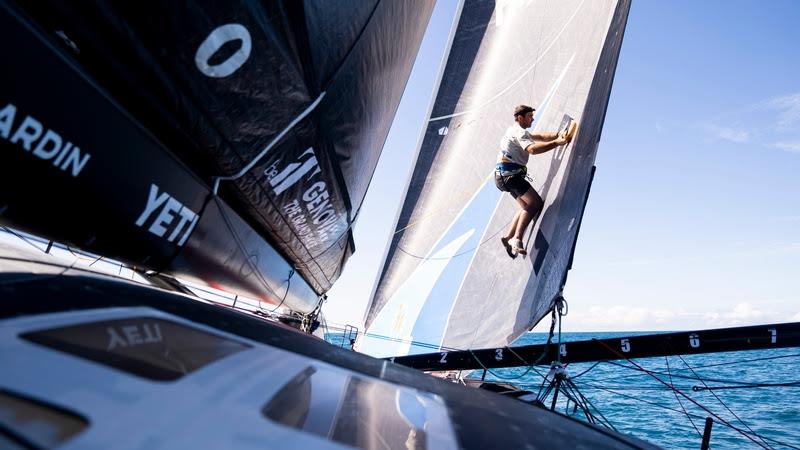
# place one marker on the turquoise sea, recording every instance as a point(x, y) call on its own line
point(637, 403)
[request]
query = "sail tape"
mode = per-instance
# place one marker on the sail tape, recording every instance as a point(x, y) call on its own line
point(274, 141)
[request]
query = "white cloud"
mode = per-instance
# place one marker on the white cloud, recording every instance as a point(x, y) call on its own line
point(641, 318)
point(789, 109)
point(728, 134)
point(789, 146)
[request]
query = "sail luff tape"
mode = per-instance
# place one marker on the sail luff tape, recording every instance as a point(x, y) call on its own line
point(272, 143)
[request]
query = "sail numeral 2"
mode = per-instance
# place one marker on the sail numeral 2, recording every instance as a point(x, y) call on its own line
point(773, 335)
point(444, 358)
point(625, 345)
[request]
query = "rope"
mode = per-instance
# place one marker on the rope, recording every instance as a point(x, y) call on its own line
point(696, 416)
point(749, 386)
point(720, 419)
point(430, 258)
point(723, 403)
point(666, 361)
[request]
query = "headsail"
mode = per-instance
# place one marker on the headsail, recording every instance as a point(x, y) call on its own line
point(446, 280)
point(264, 122)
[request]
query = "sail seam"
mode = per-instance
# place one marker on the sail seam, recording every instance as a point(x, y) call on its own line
point(512, 84)
point(269, 146)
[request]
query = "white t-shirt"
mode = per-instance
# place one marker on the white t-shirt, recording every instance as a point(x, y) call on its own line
point(513, 143)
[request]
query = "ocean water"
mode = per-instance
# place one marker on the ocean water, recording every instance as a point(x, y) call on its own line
point(636, 403)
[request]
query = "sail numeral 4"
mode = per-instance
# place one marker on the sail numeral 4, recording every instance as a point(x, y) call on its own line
point(773, 335)
point(625, 345)
point(444, 358)
point(563, 350)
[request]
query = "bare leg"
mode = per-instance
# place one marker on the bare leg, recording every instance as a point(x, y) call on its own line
point(513, 229)
point(531, 204)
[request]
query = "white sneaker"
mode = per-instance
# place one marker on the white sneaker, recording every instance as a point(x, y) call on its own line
point(519, 248)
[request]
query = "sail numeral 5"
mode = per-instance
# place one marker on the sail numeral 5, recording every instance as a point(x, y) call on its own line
point(625, 345)
point(444, 358)
point(773, 334)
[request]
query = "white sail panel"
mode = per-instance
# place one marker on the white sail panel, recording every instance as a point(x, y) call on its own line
point(559, 57)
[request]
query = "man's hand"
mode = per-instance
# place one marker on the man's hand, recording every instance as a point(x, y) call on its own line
point(560, 140)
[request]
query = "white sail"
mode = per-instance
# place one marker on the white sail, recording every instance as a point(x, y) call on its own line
point(447, 281)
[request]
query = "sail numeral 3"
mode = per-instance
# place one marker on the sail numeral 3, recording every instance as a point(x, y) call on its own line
point(625, 345)
point(498, 354)
point(444, 358)
point(694, 340)
point(773, 335)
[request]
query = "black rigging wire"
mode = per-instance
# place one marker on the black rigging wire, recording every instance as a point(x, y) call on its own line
point(464, 252)
point(704, 408)
point(696, 416)
point(723, 403)
point(666, 361)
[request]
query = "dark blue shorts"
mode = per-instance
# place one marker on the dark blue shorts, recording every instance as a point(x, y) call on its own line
point(516, 185)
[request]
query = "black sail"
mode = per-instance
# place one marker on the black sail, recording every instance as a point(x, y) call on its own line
point(258, 124)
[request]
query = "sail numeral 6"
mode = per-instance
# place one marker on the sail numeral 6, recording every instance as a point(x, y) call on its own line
point(625, 345)
point(444, 358)
point(773, 334)
point(694, 340)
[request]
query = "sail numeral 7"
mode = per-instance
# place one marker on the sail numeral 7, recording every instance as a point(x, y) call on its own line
point(444, 358)
point(774, 335)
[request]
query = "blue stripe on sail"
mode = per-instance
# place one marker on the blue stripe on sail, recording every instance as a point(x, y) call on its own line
point(432, 319)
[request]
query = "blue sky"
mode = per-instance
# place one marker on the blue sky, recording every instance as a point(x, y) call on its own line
point(694, 215)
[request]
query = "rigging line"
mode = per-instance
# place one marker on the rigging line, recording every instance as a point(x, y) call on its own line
point(285, 294)
point(12, 232)
point(587, 370)
point(686, 377)
point(696, 416)
point(704, 408)
point(513, 83)
point(269, 146)
point(589, 405)
point(431, 258)
point(721, 402)
point(530, 366)
point(666, 360)
point(697, 367)
point(407, 341)
point(752, 386)
point(441, 210)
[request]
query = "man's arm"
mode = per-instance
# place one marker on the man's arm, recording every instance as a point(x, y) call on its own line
point(542, 147)
point(545, 135)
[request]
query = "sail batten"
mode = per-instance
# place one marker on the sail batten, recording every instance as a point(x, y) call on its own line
point(560, 57)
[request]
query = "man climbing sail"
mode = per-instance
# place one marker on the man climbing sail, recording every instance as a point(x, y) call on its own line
point(516, 146)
